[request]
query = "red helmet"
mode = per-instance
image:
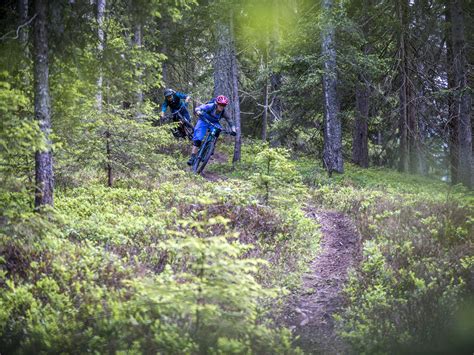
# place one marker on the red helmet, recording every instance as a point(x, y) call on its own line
point(222, 100)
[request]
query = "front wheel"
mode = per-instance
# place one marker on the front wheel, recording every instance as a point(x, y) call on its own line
point(202, 159)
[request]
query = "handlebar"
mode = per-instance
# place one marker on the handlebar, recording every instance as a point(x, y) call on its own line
point(224, 131)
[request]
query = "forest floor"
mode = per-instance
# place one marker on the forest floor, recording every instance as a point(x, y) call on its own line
point(309, 312)
point(217, 157)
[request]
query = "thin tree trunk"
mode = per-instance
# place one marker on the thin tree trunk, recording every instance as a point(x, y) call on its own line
point(164, 50)
point(100, 47)
point(412, 118)
point(24, 33)
point(332, 154)
point(462, 98)
point(236, 100)
point(360, 151)
point(265, 100)
point(138, 42)
point(24, 41)
point(44, 178)
point(403, 165)
point(452, 116)
point(110, 179)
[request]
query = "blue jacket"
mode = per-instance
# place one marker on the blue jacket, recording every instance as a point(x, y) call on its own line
point(209, 112)
point(176, 103)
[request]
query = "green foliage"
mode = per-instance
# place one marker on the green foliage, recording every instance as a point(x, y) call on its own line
point(63, 292)
point(20, 137)
point(415, 270)
point(275, 175)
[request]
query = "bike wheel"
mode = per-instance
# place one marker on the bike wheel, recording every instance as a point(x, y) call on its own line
point(189, 130)
point(202, 159)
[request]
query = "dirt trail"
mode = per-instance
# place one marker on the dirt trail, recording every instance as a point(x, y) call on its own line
point(309, 312)
point(217, 157)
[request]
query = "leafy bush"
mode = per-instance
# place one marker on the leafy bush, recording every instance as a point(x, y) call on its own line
point(275, 175)
point(61, 295)
point(414, 274)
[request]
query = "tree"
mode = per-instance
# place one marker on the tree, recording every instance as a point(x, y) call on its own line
point(360, 151)
point(226, 74)
point(100, 49)
point(462, 96)
point(43, 158)
point(332, 154)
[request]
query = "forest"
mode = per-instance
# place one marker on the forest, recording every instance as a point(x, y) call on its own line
point(236, 176)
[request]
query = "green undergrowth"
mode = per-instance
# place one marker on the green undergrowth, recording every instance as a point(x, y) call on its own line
point(413, 290)
point(172, 264)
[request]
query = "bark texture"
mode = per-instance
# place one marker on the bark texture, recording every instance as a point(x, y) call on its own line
point(360, 151)
point(452, 116)
point(462, 95)
point(332, 153)
point(404, 94)
point(23, 11)
point(226, 75)
point(44, 178)
point(100, 48)
point(138, 43)
point(409, 131)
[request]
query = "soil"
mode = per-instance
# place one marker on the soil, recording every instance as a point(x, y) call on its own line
point(217, 157)
point(309, 311)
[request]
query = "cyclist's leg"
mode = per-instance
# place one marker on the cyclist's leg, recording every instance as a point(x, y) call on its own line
point(198, 136)
point(185, 113)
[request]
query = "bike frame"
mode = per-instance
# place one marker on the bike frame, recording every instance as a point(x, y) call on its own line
point(210, 140)
point(185, 124)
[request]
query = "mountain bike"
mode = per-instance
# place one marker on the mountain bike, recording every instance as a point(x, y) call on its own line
point(207, 146)
point(184, 128)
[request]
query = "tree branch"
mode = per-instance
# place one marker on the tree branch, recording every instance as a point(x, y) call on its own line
point(5, 36)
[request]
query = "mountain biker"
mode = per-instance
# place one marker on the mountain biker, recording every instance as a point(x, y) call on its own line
point(213, 112)
point(173, 100)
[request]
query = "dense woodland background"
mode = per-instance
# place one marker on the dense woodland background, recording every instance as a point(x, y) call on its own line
point(106, 236)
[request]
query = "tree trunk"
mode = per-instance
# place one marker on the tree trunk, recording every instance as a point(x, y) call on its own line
point(403, 165)
point(265, 100)
point(452, 117)
point(138, 42)
point(275, 85)
point(236, 100)
point(226, 75)
point(462, 96)
point(360, 140)
point(360, 151)
point(23, 11)
point(100, 47)
point(24, 41)
point(332, 154)
point(43, 159)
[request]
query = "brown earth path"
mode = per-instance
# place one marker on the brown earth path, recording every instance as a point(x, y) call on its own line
point(309, 312)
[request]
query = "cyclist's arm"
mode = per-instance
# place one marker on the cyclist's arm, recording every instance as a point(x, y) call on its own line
point(204, 108)
point(164, 106)
point(229, 121)
point(183, 96)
